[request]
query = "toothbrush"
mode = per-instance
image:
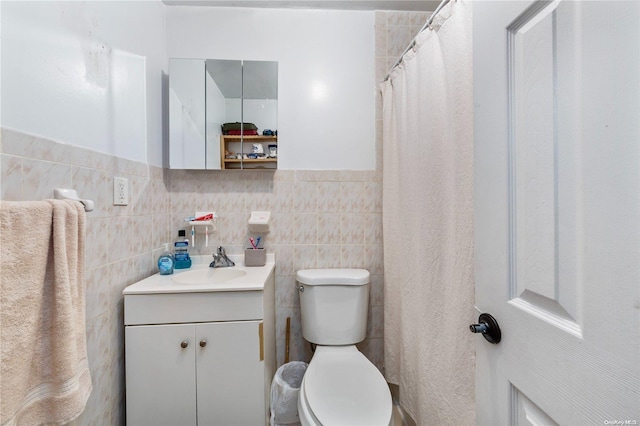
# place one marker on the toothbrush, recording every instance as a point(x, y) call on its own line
point(253, 243)
point(258, 242)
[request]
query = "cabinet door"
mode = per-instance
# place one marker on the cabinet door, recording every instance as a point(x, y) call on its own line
point(230, 374)
point(160, 374)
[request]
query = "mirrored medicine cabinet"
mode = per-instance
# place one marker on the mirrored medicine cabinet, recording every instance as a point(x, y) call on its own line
point(223, 114)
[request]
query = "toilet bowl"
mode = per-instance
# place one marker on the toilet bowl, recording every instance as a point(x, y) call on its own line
point(341, 387)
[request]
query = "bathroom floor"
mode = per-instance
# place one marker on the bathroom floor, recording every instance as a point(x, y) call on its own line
point(400, 418)
point(397, 416)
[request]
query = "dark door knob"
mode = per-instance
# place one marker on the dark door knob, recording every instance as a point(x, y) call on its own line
point(488, 327)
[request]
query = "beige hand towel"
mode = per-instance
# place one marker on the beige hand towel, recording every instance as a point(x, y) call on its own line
point(45, 376)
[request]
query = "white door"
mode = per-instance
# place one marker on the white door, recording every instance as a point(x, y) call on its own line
point(231, 388)
point(557, 211)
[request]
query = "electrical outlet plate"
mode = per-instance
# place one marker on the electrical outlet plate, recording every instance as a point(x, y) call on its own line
point(120, 191)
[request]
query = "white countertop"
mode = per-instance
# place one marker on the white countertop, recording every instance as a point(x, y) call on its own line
point(250, 278)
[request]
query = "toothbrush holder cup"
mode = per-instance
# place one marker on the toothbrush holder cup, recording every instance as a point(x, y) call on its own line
point(255, 257)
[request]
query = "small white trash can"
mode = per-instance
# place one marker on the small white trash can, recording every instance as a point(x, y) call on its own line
point(284, 393)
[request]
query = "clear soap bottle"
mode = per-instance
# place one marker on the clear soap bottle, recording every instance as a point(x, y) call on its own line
point(166, 261)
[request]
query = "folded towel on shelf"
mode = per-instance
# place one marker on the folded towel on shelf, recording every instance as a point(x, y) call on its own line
point(43, 351)
point(237, 126)
point(245, 132)
point(227, 127)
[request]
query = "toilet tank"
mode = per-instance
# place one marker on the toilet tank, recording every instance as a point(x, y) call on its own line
point(333, 305)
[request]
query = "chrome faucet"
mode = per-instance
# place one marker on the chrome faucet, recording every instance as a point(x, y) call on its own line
point(220, 259)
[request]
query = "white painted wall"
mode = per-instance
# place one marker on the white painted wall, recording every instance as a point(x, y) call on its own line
point(86, 73)
point(326, 96)
point(90, 74)
point(1, 149)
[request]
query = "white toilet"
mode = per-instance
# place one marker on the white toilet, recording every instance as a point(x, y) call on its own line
point(341, 387)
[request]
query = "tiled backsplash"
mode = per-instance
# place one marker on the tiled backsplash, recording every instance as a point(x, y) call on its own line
point(320, 219)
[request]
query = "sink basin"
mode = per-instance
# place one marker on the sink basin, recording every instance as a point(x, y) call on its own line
point(209, 276)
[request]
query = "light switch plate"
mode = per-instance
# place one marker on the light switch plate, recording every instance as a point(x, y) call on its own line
point(120, 191)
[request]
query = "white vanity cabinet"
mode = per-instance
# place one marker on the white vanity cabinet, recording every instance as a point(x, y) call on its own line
point(199, 358)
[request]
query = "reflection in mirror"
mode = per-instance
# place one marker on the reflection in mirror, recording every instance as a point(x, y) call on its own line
point(260, 94)
point(258, 145)
point(186, 114)
point(224, 104)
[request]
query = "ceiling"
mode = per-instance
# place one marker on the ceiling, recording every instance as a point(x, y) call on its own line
point(410, 5)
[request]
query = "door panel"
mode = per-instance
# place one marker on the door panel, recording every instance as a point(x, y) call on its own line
point(527, 413)
point(543, 178)
point(230, 374)
point(160, 375)
point(557, 210)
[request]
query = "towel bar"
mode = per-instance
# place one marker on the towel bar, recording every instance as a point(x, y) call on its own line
point(71, 194)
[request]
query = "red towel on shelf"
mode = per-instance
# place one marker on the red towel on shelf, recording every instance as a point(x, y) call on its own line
point(246, 132)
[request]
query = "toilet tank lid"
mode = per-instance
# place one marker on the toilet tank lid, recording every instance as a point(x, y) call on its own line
point(333, 276)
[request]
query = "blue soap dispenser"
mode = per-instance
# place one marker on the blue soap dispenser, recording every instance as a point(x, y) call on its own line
point(166, 261)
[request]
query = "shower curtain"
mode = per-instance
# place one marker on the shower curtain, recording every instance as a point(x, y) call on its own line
point(428, 223)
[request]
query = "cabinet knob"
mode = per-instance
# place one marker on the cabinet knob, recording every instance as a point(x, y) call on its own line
point(203, 343)
point(184, 344)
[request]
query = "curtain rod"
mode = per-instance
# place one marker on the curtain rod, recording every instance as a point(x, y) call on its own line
point(442, 4)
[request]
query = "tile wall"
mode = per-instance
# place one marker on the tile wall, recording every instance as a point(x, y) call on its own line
point(320, 219)
point(121, 243)
point(394, 30)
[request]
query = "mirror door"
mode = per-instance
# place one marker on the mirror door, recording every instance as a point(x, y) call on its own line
point(224, 105)
point(187, 113)
point(254, 145)
point(260, 109)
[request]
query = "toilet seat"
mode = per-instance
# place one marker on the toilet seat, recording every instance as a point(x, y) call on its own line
point(342, 387)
